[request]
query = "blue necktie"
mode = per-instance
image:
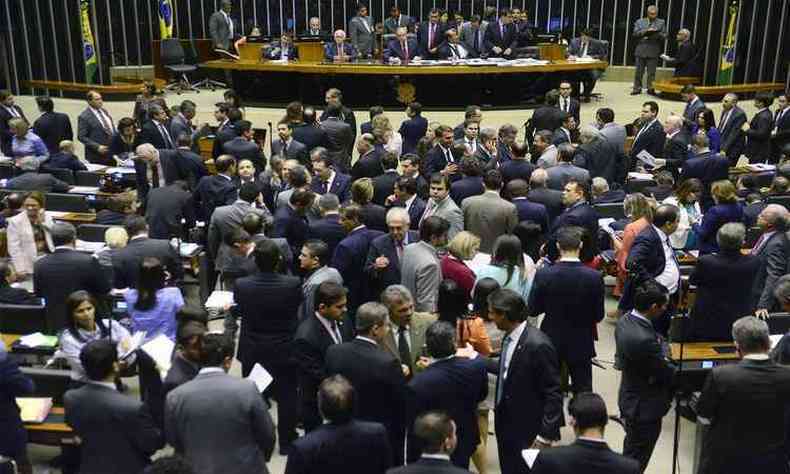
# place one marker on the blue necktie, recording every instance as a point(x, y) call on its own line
point(500, 386)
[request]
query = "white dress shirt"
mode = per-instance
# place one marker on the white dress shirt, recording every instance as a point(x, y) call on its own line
point(671, 274)
point(514, 337)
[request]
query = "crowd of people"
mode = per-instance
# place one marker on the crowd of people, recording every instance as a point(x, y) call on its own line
point(397, 299)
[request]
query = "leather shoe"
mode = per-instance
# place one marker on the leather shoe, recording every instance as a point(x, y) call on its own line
point(635, 92)
point(651, 91)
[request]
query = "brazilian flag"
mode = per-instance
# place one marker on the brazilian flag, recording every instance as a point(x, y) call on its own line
point(727, 64)
point(165, 19)
point(88, 46)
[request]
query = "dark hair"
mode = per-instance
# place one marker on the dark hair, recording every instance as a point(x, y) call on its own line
point(665, 214)
point(150, 280)
point(189, 330)
point(297, 176)
point(688, 89)
point(471, 166)
point(5, 270)
point(509, 303)
point(649, 293)
point(45, 103)
point(691, 185)
point(249, 192)
point(389, 161)
point(328, 293)
point(493, 180)
point(243, 126)
point(605, 114)
point(224, 162)
point(214, 349)
point(569, 238)
point(222, 107)
point(508, 254)
point(252, 223)
point(268, 257)
point(236, 236)
point(332, 110)
point(318, 249)
point(416, 107)
point(453, 301)
point(232, 98)
point(72, 302)
point(135, 225)
point(439, 178)
point(589, 410)
point(407, 184)
point(433, 226)
point(652, 105)
point(765, 98)
point(351, 212)
point(531, 236)
point(336, 399)
point(234, 115)
point(375, 110)
point(483, 288)
point(62, 233)
point(440, 339)
point(432, 430)
point(707, 115)
point(126, 122)
point(98, 358)
point(302, 197)
point(173, 464)
point(470, 111)
point(552, 97)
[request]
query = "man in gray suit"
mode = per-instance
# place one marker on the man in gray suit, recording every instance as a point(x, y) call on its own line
point(471, 35)
point(440, 204)
point(226, 219)
point(117, 432)
point(218, 422)
point(406, 336)
point(341, 137)
point(362, 34)
point(649, 34)
point(614, 133)
point(565, 170)
point(222, 28)
point(181, 124)
point(314, 261)
point(420, 271)
point(95, 129)
point(488, 215)
point(286, 146)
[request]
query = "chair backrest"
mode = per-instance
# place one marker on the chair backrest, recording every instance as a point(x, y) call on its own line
point(191, 53)
point(88, 178)
point(171, 51)
point(638, 185)
point(67, 202)
point(92, 232)
point(22, 319)
point(782, 200)
point(612, 210)
point(62, 174)
point(779, 323)
point(49, 382)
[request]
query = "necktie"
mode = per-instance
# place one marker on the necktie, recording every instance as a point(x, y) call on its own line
point(455, 51)
point(447, 155)
point(758, 245)
point(165, 135)
point(403, 347)
point(399, 249)
point(477, 40)
point(565, 104)
point(428, 211)
point(584, 50)
point(431, 33)
point(322, 188)
point(336, 333)
point(405, 48)
point(500, 386)
point(104, 122)
point(724, 119)
point(154, 175)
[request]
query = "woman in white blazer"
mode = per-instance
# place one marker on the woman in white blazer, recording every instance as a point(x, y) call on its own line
point(22, 246)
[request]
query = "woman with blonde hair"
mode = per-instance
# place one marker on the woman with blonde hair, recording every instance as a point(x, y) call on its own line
point(463, 247)
point(373, 215)
point(639, 210)
point(727, 209)
point(25, 142)
point(28, 234)
point(385, 135)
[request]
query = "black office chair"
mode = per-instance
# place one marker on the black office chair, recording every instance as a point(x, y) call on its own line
point(778, 323)
point(194, 58)
point(173, 59)
point(92, 232)
point(638, 185)
point(22, 319)
point(88, 178)
point(781, 200)
point(65, 175)
point(613, 210)
point(67, 202)
point(49, 382)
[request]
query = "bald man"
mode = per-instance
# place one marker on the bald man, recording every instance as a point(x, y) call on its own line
point(686, 60)
point(676, 145)
point(649, 33)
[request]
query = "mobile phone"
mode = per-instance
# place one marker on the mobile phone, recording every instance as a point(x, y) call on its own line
point(707, 364)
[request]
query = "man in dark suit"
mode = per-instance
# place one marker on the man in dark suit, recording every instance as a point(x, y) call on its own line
point(126, 261)
point(647, 373)
point(772, 250)
point(334, 98)
point(13, 436)
point(453, 48)
point(290, 222)
point(90, 409)
point(472, 182)
point(539, 193)
point(706, 166)
point(217, 190)
point(328, 178)
point(599, 157)
point(430, 35)
point(226, 130)
point(694, 106)
point(156, 131)
point(328, 229)
point(518, 167)
point(329, 325)
point(10, 294)
point(686, 60)
point(528, 402)
point(603, 195)
point(189, 165)
point(413, 128)
point(650, 136)
point(384, 184)
point(526, 209)
point(382, 264)
point(340, 137)
point(368, 165)
point(401, 48)
point(155, 169)
point(308, 132)
point(268, 302)
point(351, 253)
point(314, 29)
point(589, 453)
point(57, 275)
point(8, 110)
point(405, 195)
point(244, 147)
point(436, 433)
point(181, 124)
point(52, 127)
point(568, 104)
point(376, 375)
point(780, 135)
point(286, 146)
point(676, 145)
point(578, 213)
point(565, 171)
point(748, 397)
point(31, 180)
point(340, 50)
point(440, 159)
point(585, 46)
point(186, 359)
point(224, 29)
point(342, 443)
point(64, 158)
point(501, 36)
point(758, 130)
point(455, 385)
point(547, 116)
point(730, 124)
point(571, 311)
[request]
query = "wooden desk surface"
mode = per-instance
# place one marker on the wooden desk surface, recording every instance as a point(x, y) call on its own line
point(307, 67)
point(701, 351)
point(77, 217)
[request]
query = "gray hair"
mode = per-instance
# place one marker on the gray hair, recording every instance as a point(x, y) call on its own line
point(440, 339)
point(369, 315)
point(62, 233)
point(487, 134)
point(599, 185)
point(676, 121)
point(317, 152)
point(732, 95)
point(685, 32)
point(398, 213)
point(155, 109)
point(731, 236)
point(28, 163)
point(329, 202)
point(589, 134)
point(751, 335)
point(776, 215)
point(782, 290)
point(396, 294)
point(538, 178)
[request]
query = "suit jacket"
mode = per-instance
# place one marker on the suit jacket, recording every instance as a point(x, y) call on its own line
point(126, 261)
point(651, 139)
point(489, 216)
point(732, 137)
point(649, 44)
point(690, 112)
point(224, 221)
point(615, 135)
point(574, 108)
point(181, 372)
point(349, 259)
point(311, 342)
point(428, 466)
point(611, 196)
point(446, 51)
point(384, 246)
point(224, 134)
point(493, 37)
point(395, 50)
point(758, 137)
point(551, 198)
point(472, 39)
point(236, 435)
point(748, 397)
point(243, 149)
point(465, 187)
point(310, 135)
point(13, 436)
point(391, 25)
point(172, 169)
point(384, 186)
point(180, 126)
point(374, 216)
point(645, 387)
point(11, 295)
point(581, 215)
point(602, 160)
point(712, 220)
point(773, 257)
point(95, 412)
point(516, 169)
point(686, 60)
point(448, 210)
point(595, 48)
point(290, 226)
point(328, 229)
point(356, 446)
point(676, 151)
point(546, 117)
point(572, 312)
point(562, 173)
point(782, 127)
point(219, 30)
point(92, 134)
point(331, 51)
point(212, 192)
point(532, 211)
point(362, 34)
point(21, 242)
point(63, 161)
point(5, 133)
point(187, 165)
point(585, 456)
point(417, 326)
point(416, 210)
point(436, 160)
point(708, 168)
point(379, 386)
point(422, 38)
point(310, 285)
point(412, 130)
point(646, 253)
point(152, 135)
point(52, 128)
point(455, 386)
point(57, 275)
point(341, 140)
point(295, 151)
point(33, 181)
point(421, 274)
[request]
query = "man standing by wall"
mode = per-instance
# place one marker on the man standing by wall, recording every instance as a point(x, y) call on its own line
point(649, 33)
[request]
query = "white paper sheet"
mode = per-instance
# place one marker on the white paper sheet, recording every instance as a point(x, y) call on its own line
point(160, 349)
point(219, 300)
point(260, 376)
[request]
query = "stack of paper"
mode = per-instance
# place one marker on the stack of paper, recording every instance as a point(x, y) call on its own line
point(160, 349)
point(34, 410)
point(93, 167)
point(38, 339)
point(84, 246)
point(219, 300)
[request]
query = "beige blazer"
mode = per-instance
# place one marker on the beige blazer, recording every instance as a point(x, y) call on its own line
point(419, 324)
point(22, 245)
